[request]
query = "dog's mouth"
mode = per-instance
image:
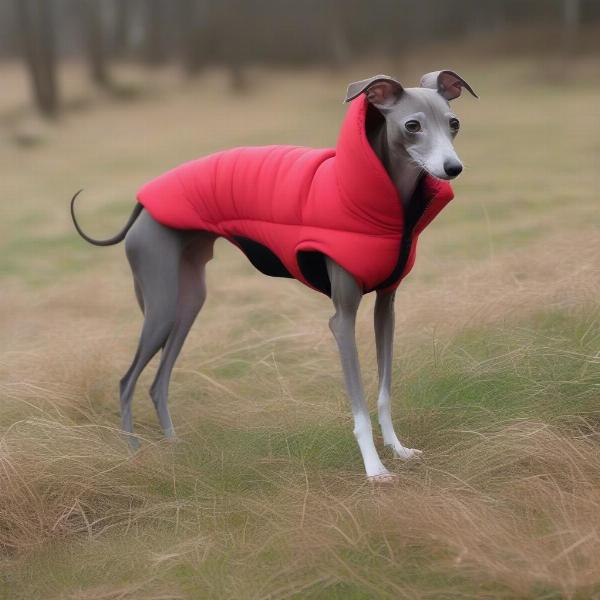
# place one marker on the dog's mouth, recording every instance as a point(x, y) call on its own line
point(443, 177)
point(429, 172)
point(440, 176)
point(420, 164)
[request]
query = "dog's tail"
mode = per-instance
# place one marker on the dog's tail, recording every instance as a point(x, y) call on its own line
point(110, 241)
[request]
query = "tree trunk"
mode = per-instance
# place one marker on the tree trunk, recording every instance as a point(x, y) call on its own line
point(340, 47)
point(153, 41)
point(233, 47)
point(200, 31)
point(571, 22)
point(37, 34)
point(188, 35)
point(122, 16)
point(94, 42)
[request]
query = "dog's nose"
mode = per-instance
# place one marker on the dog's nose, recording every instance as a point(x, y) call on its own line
point(452, 168)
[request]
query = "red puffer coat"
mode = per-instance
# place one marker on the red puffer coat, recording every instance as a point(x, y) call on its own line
point(287, 206)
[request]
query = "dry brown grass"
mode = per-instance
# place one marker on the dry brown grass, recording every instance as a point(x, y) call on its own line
point(497, 379)
point(510, 509)
point(264, 496)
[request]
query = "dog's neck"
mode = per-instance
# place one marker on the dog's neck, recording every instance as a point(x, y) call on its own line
point(399, 165)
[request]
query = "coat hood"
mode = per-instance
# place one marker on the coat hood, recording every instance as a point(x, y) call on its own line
point(364, 184)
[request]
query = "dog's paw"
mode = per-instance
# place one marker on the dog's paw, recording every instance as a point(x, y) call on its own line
point(170, 434)
point(402, 453)
point(383, 477)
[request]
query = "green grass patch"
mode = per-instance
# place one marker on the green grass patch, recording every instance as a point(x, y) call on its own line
point(546, 366)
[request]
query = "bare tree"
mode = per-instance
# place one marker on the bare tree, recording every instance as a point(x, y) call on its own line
point(189, 35)
point(154, 52)
point(340, 47)
point(122, 22)
point(36, 25)
point(231, 20)
point(571, 22)
point(91, 11)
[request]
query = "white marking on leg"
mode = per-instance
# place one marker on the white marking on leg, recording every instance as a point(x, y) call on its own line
point(384, 334)
point(346, 295)
point(364, 436)
point(387, 429)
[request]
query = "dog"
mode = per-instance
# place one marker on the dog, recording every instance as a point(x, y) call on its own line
point(345, 221)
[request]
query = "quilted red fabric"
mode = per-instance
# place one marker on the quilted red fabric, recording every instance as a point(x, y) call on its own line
point(292, 202)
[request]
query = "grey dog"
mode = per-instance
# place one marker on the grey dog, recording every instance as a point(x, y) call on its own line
point(416, 136)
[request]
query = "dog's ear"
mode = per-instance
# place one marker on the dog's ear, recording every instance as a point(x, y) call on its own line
point(381, 90)
point(447, 83)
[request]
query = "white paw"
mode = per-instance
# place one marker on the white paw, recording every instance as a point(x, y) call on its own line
point(379, 474)
point(403, 453)
point(383, 477)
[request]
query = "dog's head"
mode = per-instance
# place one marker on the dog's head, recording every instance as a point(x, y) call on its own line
point(419, 121)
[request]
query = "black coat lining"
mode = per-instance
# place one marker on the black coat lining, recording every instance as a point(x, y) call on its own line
point(312, 263)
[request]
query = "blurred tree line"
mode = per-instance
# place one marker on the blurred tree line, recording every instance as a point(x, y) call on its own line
point(237, 33)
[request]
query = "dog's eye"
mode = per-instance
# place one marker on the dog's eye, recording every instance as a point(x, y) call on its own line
point(412, 126)
point(454, 124)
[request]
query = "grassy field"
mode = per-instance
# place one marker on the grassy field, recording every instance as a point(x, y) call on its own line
point(497, 364)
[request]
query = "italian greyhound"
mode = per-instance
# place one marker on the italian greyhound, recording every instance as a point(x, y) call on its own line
point(416, 136)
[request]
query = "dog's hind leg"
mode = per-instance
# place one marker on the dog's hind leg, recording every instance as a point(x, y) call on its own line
point(138, 294)
point(384, 339)
point(154, 253)
point(192, 294)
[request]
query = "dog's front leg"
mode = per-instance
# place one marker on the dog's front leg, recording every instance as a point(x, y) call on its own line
point(346, 295)
point(384, 339)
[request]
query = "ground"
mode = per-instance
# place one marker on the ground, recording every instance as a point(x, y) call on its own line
point(496, 369)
